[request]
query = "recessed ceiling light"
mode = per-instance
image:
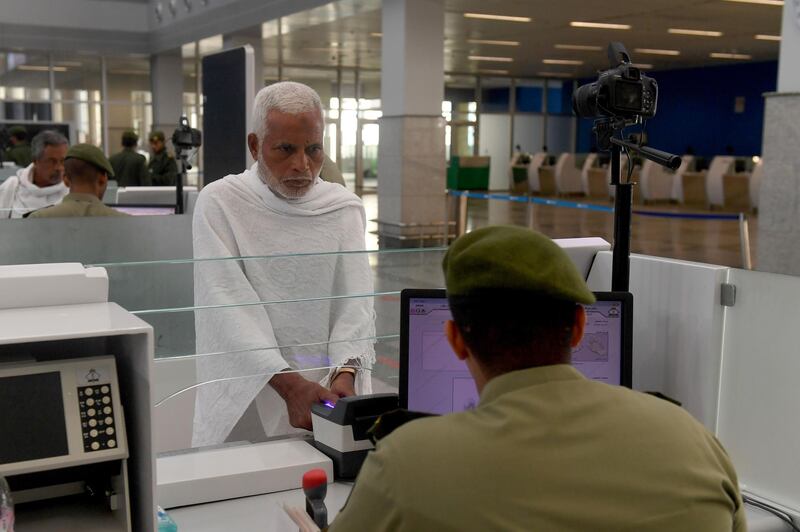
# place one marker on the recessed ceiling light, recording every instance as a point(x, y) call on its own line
point(489, 41)
point(35, 68)
point(600, 25)
point(561, 62)
point(760, 2)
point(762, 37)
point(699, 33)
point(490, 58)
point(554, 74)
point(724, 55)
point(656, 51)
point(579, 47)
point(645, 66)
point(376, 34)
point(495, 72)
point(506, 18)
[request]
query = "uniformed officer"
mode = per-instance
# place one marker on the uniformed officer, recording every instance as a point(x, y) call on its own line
point(162, 168)
point(86, 173)
point(546, 448)
point(130, 168)
point(20, 151)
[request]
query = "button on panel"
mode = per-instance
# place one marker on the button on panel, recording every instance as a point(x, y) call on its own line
point(97, 417)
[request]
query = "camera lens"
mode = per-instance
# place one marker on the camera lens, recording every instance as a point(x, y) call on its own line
point(584, 100)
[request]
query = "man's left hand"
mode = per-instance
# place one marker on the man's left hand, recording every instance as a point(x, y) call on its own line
point(344, 385)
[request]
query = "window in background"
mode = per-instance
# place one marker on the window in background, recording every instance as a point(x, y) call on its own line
point(128, 100)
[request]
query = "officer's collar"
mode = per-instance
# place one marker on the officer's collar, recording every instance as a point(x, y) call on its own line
point(79, 196)
point(516, 380)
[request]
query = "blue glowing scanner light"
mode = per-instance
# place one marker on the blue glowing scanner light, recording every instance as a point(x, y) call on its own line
point(328, 404)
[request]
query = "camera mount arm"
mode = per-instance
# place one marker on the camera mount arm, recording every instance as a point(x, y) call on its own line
point(663, 158)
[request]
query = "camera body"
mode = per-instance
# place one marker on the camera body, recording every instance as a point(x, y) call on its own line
point(186, 137)
point(622, 92)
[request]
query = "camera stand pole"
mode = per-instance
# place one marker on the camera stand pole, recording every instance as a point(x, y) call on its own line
point(623, 200)
point(182, 157)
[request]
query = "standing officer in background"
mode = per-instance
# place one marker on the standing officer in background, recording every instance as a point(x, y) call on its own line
point(162, 168)
point(86, 173)
point(546, 448)
point(130, 168)
point(20, 151)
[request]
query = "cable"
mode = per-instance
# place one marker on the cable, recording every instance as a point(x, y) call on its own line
point(774, 511)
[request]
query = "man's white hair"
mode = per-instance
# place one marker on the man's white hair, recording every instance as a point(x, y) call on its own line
point(286, 96)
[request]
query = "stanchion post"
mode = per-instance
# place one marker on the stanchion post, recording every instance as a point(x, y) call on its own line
point(462, 215)
point(744, 241)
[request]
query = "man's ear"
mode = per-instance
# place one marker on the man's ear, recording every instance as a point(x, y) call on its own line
point(252, 144)
point(580, 325)
point(456, 340)
point(65, 180)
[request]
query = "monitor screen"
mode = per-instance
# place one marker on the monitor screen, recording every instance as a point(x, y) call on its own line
point(32, 424)
point(433, 380)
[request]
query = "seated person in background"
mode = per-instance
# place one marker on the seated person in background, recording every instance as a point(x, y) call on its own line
point(162, 167)
point(86, 174)
point(130, 168)
point(280, 206)
point(40, 183)
point(20, 151)
point(330, 172)
point(546, 448)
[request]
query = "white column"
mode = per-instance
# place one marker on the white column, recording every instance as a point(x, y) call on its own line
point(411, 154)
point(779, 202)
point(166, 80)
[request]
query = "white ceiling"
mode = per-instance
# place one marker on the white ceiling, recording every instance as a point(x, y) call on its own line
point(342, 33)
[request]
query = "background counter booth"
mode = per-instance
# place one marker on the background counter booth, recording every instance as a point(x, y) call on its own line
point(568, 171)
point(468, 173)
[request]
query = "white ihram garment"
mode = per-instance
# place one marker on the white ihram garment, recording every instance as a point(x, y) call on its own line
point(19, 196)
point(239, 216)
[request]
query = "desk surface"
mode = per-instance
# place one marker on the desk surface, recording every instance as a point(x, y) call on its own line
point(265, 513)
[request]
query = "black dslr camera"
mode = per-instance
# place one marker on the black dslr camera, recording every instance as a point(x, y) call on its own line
point(621, 92)
point(186, 137)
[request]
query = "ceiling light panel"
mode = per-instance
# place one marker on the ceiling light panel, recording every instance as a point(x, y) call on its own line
point(504, 18)
point(725, 55)
point(490, 58)
point(698, 33)
point(561, 62)
point(759, 2)
point(496, 43)
point(600, 25)
point(583, 47)
point(762, 37)
point(656, 51)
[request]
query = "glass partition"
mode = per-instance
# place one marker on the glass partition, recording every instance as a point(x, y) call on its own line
point(218, 342)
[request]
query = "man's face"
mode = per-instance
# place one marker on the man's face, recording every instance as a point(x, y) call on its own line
point(290, 156)
point(49, 169)
point(157, 145)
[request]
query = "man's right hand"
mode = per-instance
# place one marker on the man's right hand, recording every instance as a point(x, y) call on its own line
point(299, 394)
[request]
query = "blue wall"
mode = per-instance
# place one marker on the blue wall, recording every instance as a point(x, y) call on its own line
point(696, 108)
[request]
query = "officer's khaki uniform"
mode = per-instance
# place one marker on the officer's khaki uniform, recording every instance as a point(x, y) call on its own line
point(548, 450)
point(20, 154)
point(130, 168)
point(76, 205)
point(163, 169)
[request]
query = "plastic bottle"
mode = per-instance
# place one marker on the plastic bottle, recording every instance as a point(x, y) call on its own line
point(165, 522)
point(6, 507)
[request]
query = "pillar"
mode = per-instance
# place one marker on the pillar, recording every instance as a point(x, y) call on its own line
point(411, 153)
point(779, 202)
point(166, 80)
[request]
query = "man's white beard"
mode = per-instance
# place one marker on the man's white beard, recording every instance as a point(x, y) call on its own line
point(278, 188)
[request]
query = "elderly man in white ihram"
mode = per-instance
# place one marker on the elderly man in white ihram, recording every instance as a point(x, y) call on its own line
point(291, 227)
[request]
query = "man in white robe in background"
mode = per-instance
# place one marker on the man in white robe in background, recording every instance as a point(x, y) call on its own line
point(279, 207)
point(40, 184)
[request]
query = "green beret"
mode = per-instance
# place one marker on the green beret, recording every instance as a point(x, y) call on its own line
point(130, 135)
point(92, 155)
point(17, 131)
point(157, 135)
point(506, 257)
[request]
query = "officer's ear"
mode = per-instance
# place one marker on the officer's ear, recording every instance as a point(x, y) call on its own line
point(65, 179)
point(102, 179)
point(579, 326)
point(456, 340)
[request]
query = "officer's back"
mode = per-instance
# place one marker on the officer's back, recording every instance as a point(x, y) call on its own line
point(546, 448)
point(86, 173)
point(130, 168)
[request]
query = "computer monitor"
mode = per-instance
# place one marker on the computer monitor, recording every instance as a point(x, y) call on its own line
point(433, 380)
